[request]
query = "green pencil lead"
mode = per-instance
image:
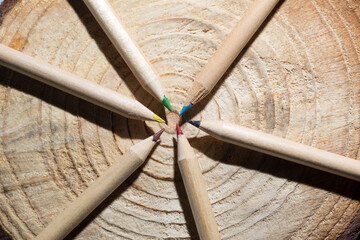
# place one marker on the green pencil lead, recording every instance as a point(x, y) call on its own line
point(166, 103)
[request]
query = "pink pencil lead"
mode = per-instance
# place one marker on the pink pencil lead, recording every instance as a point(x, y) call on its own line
point(157, 135)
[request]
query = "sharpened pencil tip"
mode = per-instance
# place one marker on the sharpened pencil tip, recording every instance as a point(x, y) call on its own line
point(158, 119)
point(185, 108)
point(157, 135)
point(178, 130)
point(194, 123)
point(166, 103)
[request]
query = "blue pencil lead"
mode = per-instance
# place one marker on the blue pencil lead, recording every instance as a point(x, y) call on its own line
point(185, 108)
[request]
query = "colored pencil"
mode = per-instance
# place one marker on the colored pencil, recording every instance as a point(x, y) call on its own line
point(99, 190)
point(196, 189)
point(282, 148)
point(75, 85)
point(228, 51)
point(128, 49)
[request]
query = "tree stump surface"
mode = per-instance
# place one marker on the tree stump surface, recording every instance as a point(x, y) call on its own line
point(298, 79)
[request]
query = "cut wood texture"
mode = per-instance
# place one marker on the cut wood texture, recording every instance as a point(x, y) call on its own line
point(298, 79)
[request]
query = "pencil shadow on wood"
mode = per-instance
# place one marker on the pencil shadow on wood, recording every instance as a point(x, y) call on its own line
point(5, 7)
point(234, 155)
point(184, 202)
point(352, 232)
point(99, 116)
point(4, 235)
point(108, 201)
point(114, 58)
point(197, 108)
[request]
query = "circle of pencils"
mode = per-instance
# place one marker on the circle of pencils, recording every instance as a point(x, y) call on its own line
point(190, 170)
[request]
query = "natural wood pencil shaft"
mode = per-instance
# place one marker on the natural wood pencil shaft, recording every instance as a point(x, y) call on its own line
point(82, 206)
point(196, 191)
point(73, 84)
point(230, 49)
point(283, 148)
point(127, 48)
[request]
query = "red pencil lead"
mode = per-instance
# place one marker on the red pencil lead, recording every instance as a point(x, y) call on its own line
point(178, 130)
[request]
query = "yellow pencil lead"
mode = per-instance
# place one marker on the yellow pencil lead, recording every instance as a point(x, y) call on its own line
point(158, 119)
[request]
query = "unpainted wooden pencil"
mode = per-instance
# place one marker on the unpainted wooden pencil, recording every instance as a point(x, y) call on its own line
point(228, 51)
point(282, 148)
point(75, 85)
point(100, 189)
point(128, 49)
point(196, 189)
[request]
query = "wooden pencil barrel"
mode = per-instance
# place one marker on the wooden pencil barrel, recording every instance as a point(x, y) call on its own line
point(196, 190)
point(231, 47)
point(101, 188)
point(283, 148)
point(73, 84)
point(128, 49)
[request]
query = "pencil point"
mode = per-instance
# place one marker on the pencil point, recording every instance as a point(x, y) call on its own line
point(157, 135)
point(194, 123)
point(178, 130)
point(166, 103)
point(185, 108)
point(158, 119)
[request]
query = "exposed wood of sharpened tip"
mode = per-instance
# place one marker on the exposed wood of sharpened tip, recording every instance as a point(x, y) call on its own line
point(127, 48)
point(283, 148)
point(74, 85)
point(230, 49)
point(81, 207)
point(196, 191)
